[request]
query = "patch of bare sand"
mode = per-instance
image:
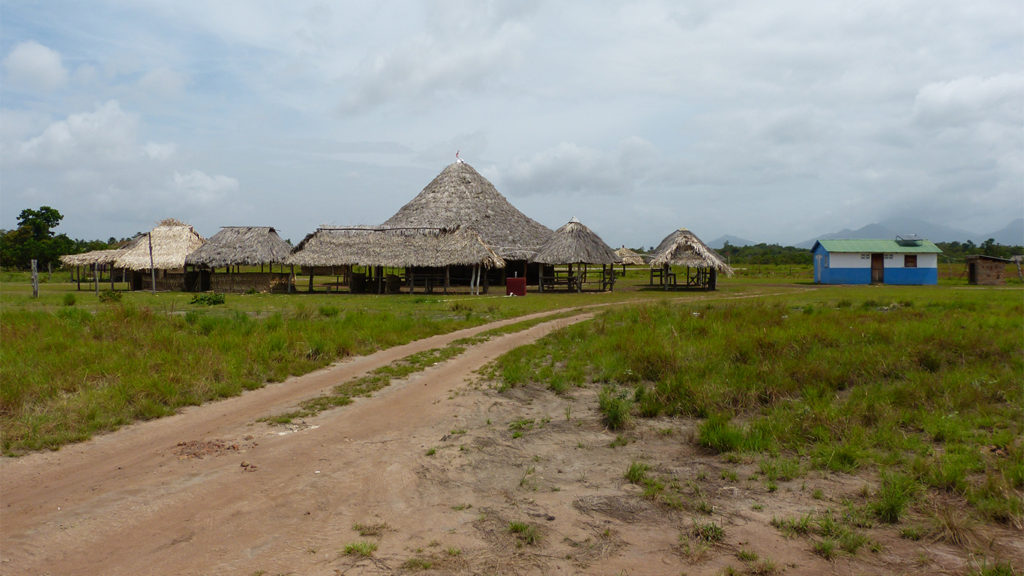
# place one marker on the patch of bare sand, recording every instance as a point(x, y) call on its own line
point(440, 465)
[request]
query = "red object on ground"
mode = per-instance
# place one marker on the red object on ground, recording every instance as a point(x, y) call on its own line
point(515, 286)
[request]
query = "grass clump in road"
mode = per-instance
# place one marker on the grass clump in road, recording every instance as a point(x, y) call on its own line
point(525, 532)
point(360, 548)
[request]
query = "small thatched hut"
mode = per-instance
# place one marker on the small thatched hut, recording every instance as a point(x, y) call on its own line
point(459, 197)
point(425, 255)
point(162, 252)
point(236, 246)
point(683, 248)
point(98, 261)
point(629, 257)
point(575, 244)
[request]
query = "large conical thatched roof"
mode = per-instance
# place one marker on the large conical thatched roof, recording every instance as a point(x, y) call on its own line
point(683, 248)
point(241, 245)
point(172, 241)
point(460, 197)
point(574, 243)
point(627, 256)
point(397, 248)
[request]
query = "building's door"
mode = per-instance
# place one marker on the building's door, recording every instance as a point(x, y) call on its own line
point(877, 268)
point(819, 261)
point(972, 273)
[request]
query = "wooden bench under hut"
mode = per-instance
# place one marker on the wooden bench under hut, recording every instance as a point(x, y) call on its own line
point(565, 258)
point(157, 260)
point(231, 249)
point(386, 260)
point(682, 248)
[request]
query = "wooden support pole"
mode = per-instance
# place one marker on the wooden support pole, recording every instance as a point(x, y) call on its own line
point(35, 279)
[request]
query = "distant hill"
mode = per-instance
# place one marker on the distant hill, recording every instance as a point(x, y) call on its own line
point(719, 242)
point(1012, 234)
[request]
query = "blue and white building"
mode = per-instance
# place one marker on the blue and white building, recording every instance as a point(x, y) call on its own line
point(900, 261)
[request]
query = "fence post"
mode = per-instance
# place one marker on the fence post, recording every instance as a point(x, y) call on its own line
point(35, 279)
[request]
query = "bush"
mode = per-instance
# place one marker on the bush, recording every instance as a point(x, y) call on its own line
point(211, 299)
point(897, 491)
point(110, 296)
point(69, 299)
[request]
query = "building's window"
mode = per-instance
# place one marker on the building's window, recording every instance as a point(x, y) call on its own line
point(910, 261)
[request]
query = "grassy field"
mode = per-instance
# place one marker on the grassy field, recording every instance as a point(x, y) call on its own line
point(74, 363)
point(922, 387)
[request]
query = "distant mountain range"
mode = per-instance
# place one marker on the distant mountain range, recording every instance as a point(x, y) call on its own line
point(1011, 235)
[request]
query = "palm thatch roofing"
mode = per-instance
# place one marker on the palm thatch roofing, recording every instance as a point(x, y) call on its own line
point(394, 248)
point(627, 256)
point(172, 241)
point(459, 197)
point(241, 245)
point(574, 243)
point(683, 248)
point(99, 257)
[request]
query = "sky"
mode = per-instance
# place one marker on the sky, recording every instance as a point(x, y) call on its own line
point(772, 121)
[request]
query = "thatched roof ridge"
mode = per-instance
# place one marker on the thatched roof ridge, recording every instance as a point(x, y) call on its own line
point(683, 248)
point(459, 197)
point(241, 245)
point(172, 241)
point(394, 247)
point(627, 256)
point(574, 243)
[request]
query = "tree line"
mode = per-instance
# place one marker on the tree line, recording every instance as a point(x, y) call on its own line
point(35, 239)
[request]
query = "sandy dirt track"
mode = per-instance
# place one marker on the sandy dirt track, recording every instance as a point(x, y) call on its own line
point(136, 502)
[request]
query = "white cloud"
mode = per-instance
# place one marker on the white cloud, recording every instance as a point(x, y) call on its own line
point(970, 99)
point(197, 187)
point(572, 168)
point(162, 82)
point(32, 66)
point(107, 134)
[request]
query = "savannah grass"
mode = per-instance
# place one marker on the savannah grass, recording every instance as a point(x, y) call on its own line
point(924, 383)
point(73, 363)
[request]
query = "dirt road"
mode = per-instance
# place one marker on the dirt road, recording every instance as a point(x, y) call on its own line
point(173, 496)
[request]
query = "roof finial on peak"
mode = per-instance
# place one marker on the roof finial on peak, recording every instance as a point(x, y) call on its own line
point(457, 159)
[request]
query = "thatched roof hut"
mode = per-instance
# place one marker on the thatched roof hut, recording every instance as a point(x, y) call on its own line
point(683, 248)
point(172, 241)
point(99, 257)
point(394, 248)
point(574, 243)
point(627, 256)
point(459, 197)
point(241, 245)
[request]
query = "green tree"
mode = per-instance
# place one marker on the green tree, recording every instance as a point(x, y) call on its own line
point(34, 239)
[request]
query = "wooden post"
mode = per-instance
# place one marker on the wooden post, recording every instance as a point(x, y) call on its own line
point(152, 270)
point(447, 278)
point(78, 276)
point(49, 271)
point(96, 276)
point(35, 279)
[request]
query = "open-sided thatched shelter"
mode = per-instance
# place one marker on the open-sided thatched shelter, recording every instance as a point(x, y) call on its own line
point(575, 244)
point(683, 248)
point(99, 261)
point(236, 246)
point(459, 197)
point(162, 249)
point(426, 254)
point(629, 257)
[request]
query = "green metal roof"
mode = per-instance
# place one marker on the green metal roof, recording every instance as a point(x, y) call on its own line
point(880, 246)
